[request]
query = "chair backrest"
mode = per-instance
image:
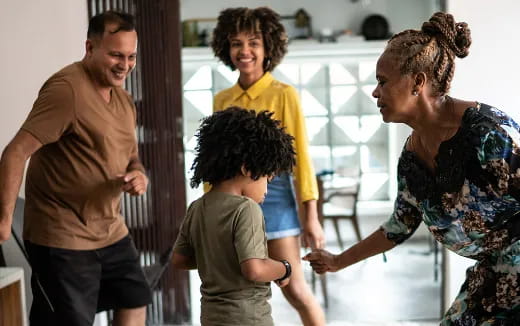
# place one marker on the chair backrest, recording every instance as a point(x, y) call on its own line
point(321, 194)
point(2, 259)
point(16, 230)
point(338, 200)
point(352, 193)
point(17, 225)
point(153, 273)
point(328, 191)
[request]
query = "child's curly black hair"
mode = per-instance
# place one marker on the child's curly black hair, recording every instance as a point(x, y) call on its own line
point(236, 137)
point(262, 21)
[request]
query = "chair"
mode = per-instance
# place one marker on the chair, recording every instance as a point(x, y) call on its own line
point(153, 273)
point(17, 231)
point(338, 202)
point(324, 291)
point(329, 210)
point(17, 226)
point(2, 259)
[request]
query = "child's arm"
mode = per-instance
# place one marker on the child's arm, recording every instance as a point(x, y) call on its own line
point(183, 252)
point(251, 248)
point(263, 270)
point(183, 262)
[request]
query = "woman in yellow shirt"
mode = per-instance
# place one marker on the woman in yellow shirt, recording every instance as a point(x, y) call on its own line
point(254, 42)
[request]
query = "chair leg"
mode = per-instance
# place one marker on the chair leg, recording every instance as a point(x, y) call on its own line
point(2, 259)
point(323, 282)
point(313, 281)
point(356, 227)
point(338, 234)
point(435, 260)
point(323, 279)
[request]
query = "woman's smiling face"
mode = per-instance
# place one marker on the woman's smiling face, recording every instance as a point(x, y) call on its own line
point(247, 53)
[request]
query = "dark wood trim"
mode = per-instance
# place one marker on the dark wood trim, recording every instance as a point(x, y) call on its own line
point(156, 85)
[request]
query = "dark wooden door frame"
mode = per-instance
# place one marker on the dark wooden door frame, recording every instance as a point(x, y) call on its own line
point(156, 85)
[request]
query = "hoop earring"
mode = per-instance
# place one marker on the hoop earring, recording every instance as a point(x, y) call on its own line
point(267, 64)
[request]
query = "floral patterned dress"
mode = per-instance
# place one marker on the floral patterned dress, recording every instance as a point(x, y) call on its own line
point(471, 204)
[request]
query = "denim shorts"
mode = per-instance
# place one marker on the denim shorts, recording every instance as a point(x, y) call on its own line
point(280, 209)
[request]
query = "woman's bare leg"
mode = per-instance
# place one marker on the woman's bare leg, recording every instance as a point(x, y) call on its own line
point(130, 317)
point(298, 292)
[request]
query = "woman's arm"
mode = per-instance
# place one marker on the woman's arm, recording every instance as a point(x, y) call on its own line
point(305, 183)
point(294, 122)
point(313, 235)
point(323, 261)
point(405, 219)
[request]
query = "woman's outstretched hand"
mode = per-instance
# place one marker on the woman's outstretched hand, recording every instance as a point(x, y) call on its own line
point(322, 261)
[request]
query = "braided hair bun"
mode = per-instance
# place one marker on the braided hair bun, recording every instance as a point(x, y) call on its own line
point(432, 49)
point(456, 36)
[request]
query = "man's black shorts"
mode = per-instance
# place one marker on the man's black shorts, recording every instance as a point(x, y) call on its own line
point(79, 283)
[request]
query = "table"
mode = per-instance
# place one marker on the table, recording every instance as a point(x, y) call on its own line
point(12, 297)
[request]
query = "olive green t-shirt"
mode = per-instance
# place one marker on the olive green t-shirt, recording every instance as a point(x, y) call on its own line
point(73, 184)
point(222, 230)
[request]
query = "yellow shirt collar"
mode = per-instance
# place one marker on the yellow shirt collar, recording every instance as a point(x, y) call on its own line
point(255, 90)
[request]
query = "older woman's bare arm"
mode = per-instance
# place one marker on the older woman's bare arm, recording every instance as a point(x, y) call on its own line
point(323, 261)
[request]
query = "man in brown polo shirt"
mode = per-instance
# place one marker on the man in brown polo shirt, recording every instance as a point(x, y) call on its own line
point(80, 136)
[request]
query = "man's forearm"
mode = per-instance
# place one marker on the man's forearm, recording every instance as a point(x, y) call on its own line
point(12, 166)
point(135, 164)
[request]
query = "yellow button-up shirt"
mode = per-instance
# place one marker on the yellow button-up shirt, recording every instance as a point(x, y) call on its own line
point(270, 94)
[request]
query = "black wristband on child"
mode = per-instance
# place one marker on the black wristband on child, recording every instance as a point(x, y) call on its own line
point(287, 270)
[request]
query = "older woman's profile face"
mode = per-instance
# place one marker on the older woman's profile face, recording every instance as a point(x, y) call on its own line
point(247, 52)
point(393, 91)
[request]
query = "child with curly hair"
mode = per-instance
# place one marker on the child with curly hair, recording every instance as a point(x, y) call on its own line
point(254, 41)
point(223, 233)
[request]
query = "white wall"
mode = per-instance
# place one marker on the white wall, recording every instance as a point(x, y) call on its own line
point(334, 14)
point(38, 38)
point(489, 74)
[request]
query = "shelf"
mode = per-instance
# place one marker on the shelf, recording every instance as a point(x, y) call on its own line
point(305, 49)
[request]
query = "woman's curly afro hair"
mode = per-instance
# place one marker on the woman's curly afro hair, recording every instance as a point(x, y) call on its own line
point(234, 138)
point(262, 20)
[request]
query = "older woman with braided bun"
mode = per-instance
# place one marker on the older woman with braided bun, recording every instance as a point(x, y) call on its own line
point(458, 173)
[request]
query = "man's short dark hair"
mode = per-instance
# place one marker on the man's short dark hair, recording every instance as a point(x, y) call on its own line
point(234, 138)
point(97, 24)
